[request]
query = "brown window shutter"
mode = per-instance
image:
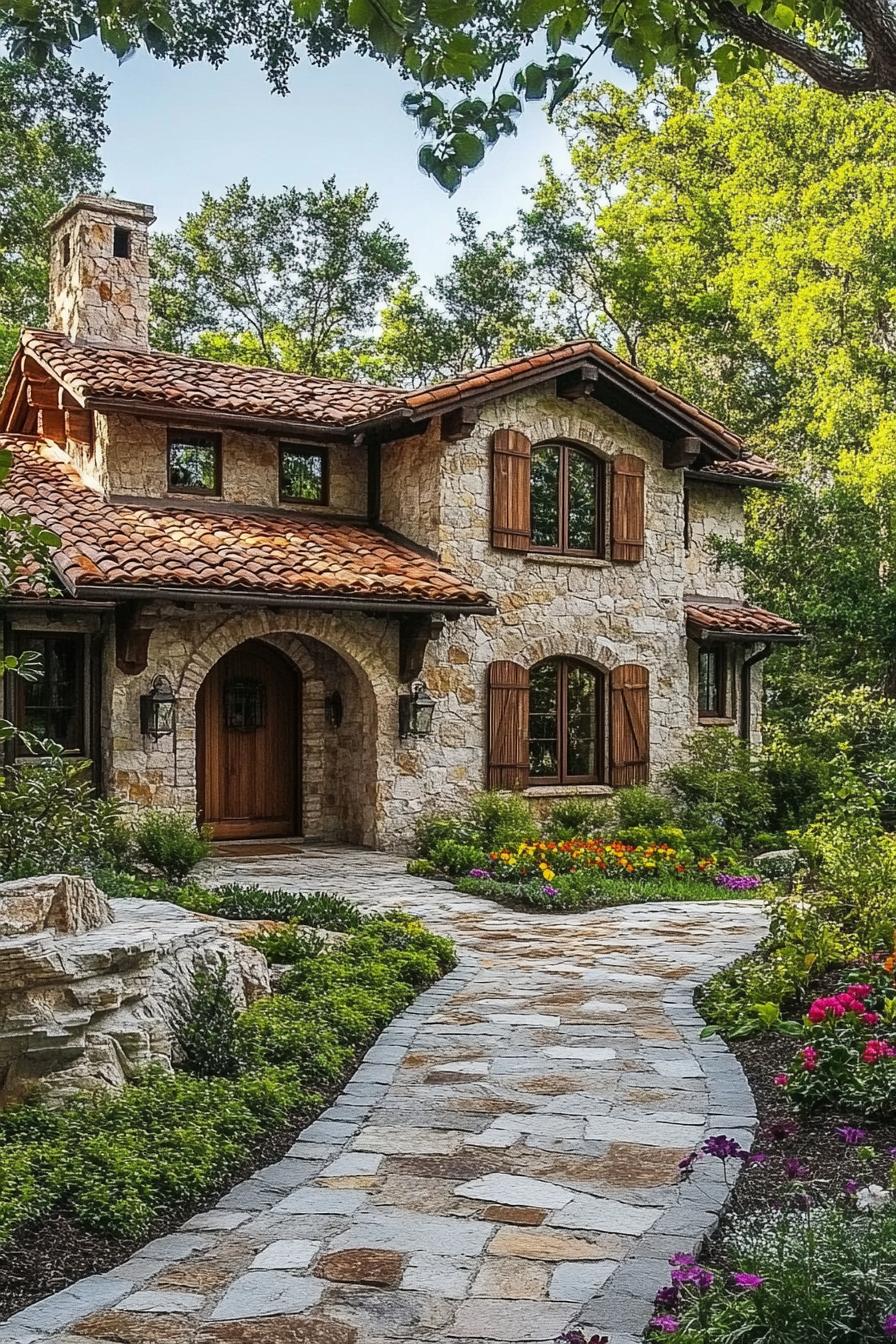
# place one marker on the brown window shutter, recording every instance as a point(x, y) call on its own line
point(627, 509)
point(508, 726)
point(511, 462)
point(629, 725)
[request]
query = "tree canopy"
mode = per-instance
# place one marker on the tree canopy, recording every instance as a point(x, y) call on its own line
point(51, 132)
point(845, 46)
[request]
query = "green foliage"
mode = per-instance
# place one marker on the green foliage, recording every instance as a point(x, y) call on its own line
point(500, 820)
point(51, 820)
point(421, 868)
point(206, 1032)
point(574, 817)
point(586, 891)
point(642, 806)
point(720, 785)
point(292, 280)
point(170, 843)
point(51, 130)
point(447, 856)
point(317, 909)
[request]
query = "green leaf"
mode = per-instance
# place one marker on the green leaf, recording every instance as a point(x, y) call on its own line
point(359, 13)
point(532, 13)
point(468, 149)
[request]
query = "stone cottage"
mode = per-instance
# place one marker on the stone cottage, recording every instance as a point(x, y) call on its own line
point(303, 606)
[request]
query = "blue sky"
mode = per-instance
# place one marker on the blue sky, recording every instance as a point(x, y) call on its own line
point(175, 133)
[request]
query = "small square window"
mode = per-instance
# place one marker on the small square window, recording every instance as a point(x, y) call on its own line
point(712, 682)
point(194, 462)
point(121, 242)
point(66, 249)
point(304, 474)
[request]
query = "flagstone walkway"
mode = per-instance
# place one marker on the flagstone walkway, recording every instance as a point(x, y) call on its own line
point(502, 1165)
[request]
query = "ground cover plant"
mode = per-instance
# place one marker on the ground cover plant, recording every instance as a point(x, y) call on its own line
point(81, 1184)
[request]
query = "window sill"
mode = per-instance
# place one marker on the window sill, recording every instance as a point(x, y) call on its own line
point(578, 561)
point(721, 722)
point(568, 791)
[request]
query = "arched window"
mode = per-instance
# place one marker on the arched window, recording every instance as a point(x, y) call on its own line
point(568, 500)
point(567, 723)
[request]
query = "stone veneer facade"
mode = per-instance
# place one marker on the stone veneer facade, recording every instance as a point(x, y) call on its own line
point(360, 781)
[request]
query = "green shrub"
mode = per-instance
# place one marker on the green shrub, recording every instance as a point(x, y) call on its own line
point(722, 784)
point(433, 831)
point(279, 1031)
point(205, 1032)
point(642, 806)
point(797, 776)
point(421, 868)
point(501, 820)
point(576, 818)
point(51, 821)
point(587, 891)
point(289, 945)
point(170, 843)
point(317, 909)
point(120, 884)
point(449, 857)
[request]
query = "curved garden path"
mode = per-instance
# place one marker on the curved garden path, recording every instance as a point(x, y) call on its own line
point(502, 1165)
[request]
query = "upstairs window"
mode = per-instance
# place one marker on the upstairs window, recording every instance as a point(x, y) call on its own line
point(52, 707)
point(121, 242)
point(567, 708)
point(66, 249)
point(712, 682)
point(194, 462)
point(567, 500)
point(304, 474)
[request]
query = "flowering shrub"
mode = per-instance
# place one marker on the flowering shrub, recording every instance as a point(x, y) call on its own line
point(732, 882)
point(847, 1059)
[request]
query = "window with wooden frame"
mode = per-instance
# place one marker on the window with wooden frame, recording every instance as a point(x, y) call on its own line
point(194, 462)
point(568, 500)
point(712, 682)
point(304, 474)
point(567, 714)
point(53, 707)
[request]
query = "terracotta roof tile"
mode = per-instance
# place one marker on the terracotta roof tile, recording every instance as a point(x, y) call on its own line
point(101, 372)
point(750, 467)
point(705, 617)
point(274, 554)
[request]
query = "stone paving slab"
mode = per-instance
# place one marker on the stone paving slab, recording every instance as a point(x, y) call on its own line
point(502, 1166)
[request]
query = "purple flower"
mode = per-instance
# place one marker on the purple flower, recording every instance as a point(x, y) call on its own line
point(781, 1129)
point(851, 1136)
point(479, 872)
point(850, 1187)
point(732, 882)
point(795, 1169)
point(746, 1283)
point(719, 1145)
point(667, 1297)
point(682, 1258)
point(889, 1326)
point(756, 1159)
point(693, 1276)
point(686, 1164)
point(667, 1324)
point(548, 890)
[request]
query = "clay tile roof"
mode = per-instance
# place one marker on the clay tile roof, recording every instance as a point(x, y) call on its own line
point(738, 619)
point(104, 372)
point(139, 546)
point(751, 468)
point(571, 353)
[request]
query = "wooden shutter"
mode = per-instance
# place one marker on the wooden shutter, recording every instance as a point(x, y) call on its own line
point(511, 462)
point(508, 726)
point(627, 509)
point(629, 725)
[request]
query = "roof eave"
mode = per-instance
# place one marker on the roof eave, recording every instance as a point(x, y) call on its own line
point(701, 635)
point(158, 410)
point(732, 480)
point(251, 597)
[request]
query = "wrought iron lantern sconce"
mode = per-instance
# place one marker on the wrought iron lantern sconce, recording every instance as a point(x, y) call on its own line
point(333, 709)
point(415, 711)
point(158, 710)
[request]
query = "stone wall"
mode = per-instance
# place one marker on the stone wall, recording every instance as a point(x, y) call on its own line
point(713, 511)
point(132, 459)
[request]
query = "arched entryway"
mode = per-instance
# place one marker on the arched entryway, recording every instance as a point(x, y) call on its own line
point(248, 713)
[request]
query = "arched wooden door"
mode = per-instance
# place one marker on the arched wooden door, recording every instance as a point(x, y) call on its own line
point(247, 747)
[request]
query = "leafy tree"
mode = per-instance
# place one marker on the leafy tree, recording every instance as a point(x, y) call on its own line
point(51, 130)
point(480, 311)
point(845, 46)
point(293, 280)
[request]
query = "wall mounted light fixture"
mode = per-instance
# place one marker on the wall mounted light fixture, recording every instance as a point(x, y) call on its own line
point(415, 711)
point(158, 710)
point(333, 709)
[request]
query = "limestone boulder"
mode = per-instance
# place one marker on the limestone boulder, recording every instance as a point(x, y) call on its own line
point(57, 901)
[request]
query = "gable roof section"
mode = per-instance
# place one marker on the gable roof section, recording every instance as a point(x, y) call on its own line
point(101, 375)
point(707, 618)
point(131, 547)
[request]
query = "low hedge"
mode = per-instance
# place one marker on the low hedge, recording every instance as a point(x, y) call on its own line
point(117, 1163)
point(585, 891)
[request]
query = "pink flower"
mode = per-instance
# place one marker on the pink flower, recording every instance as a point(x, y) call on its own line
point(667, 1324)
point(876, 1050)
point(860, 991)
point(810, 1057)
point(870, 1019)
point(781, 1079)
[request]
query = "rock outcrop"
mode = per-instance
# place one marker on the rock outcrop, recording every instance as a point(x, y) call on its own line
point(90, 989)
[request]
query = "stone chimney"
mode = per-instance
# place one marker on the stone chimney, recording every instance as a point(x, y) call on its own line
point(99, 271)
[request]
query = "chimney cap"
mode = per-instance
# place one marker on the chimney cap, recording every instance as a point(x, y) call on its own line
point(136, 211)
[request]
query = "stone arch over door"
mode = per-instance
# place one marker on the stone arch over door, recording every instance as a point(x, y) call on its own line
point(344, 769)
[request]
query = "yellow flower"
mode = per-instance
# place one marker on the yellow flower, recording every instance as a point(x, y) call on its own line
point(547, 874)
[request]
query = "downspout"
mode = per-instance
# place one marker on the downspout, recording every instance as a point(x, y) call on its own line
point(746, 688)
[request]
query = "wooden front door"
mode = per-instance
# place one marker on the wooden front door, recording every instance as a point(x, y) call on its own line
point(247, 749)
